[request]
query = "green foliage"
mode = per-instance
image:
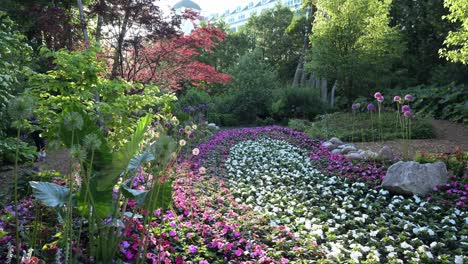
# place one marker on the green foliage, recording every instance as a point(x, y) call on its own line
point(77, 80)
point(353, 43)
point(15, 56)
point(50, 194)
point(249, 96)
point(297, 102)
point(455, 161)
point(456, 44)
point(8, 149)
point(299, 124)
point(445, 102)
point(341, 125)
point(279, 45)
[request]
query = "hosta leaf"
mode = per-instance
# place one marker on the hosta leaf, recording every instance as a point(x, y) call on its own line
point(138, 195)
point(50, 194)
point(139, 159)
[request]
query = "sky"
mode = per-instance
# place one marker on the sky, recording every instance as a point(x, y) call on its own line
point(211, 6)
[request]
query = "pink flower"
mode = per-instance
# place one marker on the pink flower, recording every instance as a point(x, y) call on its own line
point(377, 95)
point(203, 262)
point(397, 99)
point(380, 99)
point(284, 260)
point(408, 97)
point(407, 114)
point(172, 233)
point(405, 108)
point(239, 252)
point(192, 249)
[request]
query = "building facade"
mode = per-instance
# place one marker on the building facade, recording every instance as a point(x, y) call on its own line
point(239, 16)
point(180, 7)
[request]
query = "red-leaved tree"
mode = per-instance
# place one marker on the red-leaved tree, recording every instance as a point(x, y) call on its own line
point(172, 62)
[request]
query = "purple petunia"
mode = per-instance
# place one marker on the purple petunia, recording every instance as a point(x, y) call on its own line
point(192, 249)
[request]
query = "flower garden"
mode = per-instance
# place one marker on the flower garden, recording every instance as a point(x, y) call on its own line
point(267, 195)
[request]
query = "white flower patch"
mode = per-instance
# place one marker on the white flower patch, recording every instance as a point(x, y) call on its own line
point(351, 221)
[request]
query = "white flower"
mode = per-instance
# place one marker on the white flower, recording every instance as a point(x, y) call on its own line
point(195, 151)
point(458, 260)
point(406, 245)
point(390, 248)
point(355, 255)
point(202, 171)
point(182, 142)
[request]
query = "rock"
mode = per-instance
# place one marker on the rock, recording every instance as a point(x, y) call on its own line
point(329, 145)
point(414, 178)
point(369, 154)
point(213, 125)
point(354, 156)
point(386, 153)
point(336, 141)
point(336, 151)
point(347, 149)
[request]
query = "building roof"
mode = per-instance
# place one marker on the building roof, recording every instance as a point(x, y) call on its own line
point(187, 4)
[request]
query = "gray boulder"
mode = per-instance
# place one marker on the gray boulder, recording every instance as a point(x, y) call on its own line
point(354, 156)
point(414, 178)
point(329, 145)
point(336, 141)
point(386, 153)
point(336, 151)
point(347, 149)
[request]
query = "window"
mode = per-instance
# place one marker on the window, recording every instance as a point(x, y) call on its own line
point(250, 4)
point(234, 29)
point(241, 17)
point(231, 20)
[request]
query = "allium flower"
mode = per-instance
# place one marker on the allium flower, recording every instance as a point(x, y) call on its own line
point(407, 113)
point(408, 97)
point(397, 99)
point(355, 106)
point(73, 120)
point(380, 99)
point(92, 141)
point(182, 142)
point(377, 95)
point(405, 108)
point(195, 151)
point(192, 249)
point(371, 107)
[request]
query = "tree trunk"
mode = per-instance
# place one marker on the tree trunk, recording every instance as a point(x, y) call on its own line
point(299, 71)
point(312, 81)
point(100, 22)
point(118, 63)
point(323, 84)
point(83, 22)
point(332, 97)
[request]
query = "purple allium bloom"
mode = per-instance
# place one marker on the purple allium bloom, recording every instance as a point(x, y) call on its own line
point(405, 108)
point(380, 99)
point(355, 106)
point(377, 95)
point(371, 107)
point(397, 99)
point(408, 97)
point(192, 249)
point(407, 114)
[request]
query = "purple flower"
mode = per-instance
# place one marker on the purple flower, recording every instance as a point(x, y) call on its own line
point(405, 108)
point(203, 262)
point(172, 233)
point(192, 249)
point(239, 252)
point(397, 99)
point(407, 114)
point(408, 97)
point(377, 95)
point(355, 106)
point(380, 99)
point(371, 107)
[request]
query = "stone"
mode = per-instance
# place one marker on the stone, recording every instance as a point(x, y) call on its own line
point(213, 125)
point(336, 141)
point(336, 151)
point(354, 156)
point(347, 149)
point(369, 154)
point(329, 145)
point(386, 153)
point(414, 178)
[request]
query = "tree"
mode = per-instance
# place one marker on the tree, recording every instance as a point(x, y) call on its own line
point(280, 47)
point(456, 43)
point(172, 62)
point(352, 44)
point(131, 23)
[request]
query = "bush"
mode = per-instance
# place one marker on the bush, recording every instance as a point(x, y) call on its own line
point(303, 103)
point(193, 104)
point(8, 151)
point(455, 161)
point(299, 124)
point(341, 125)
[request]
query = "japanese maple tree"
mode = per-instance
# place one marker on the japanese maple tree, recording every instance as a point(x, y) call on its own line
point(172, 62)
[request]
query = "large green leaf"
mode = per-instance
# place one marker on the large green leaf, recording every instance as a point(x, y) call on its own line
point(138, 195)
point(159, 197)
point(139, 159)
point(50, 194)
point(121, 159)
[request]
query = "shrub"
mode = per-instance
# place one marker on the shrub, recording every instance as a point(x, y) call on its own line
point(299, 124)
point(293, 102)
point(341, 125)
point(8, 149)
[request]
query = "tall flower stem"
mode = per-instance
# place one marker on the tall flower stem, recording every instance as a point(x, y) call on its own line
point(372, 126)
point(15, 172)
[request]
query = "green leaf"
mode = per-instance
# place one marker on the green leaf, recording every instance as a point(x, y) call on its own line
point(163, 149)
point(159, 197)
point(139, 159)
point(50, 194)
point(138, 195)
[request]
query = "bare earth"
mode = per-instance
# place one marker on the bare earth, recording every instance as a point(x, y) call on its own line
point(449, 136)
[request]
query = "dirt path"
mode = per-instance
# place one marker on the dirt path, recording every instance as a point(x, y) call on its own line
point(449, 136)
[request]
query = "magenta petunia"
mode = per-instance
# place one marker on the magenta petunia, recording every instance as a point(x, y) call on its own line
point(192, 249)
